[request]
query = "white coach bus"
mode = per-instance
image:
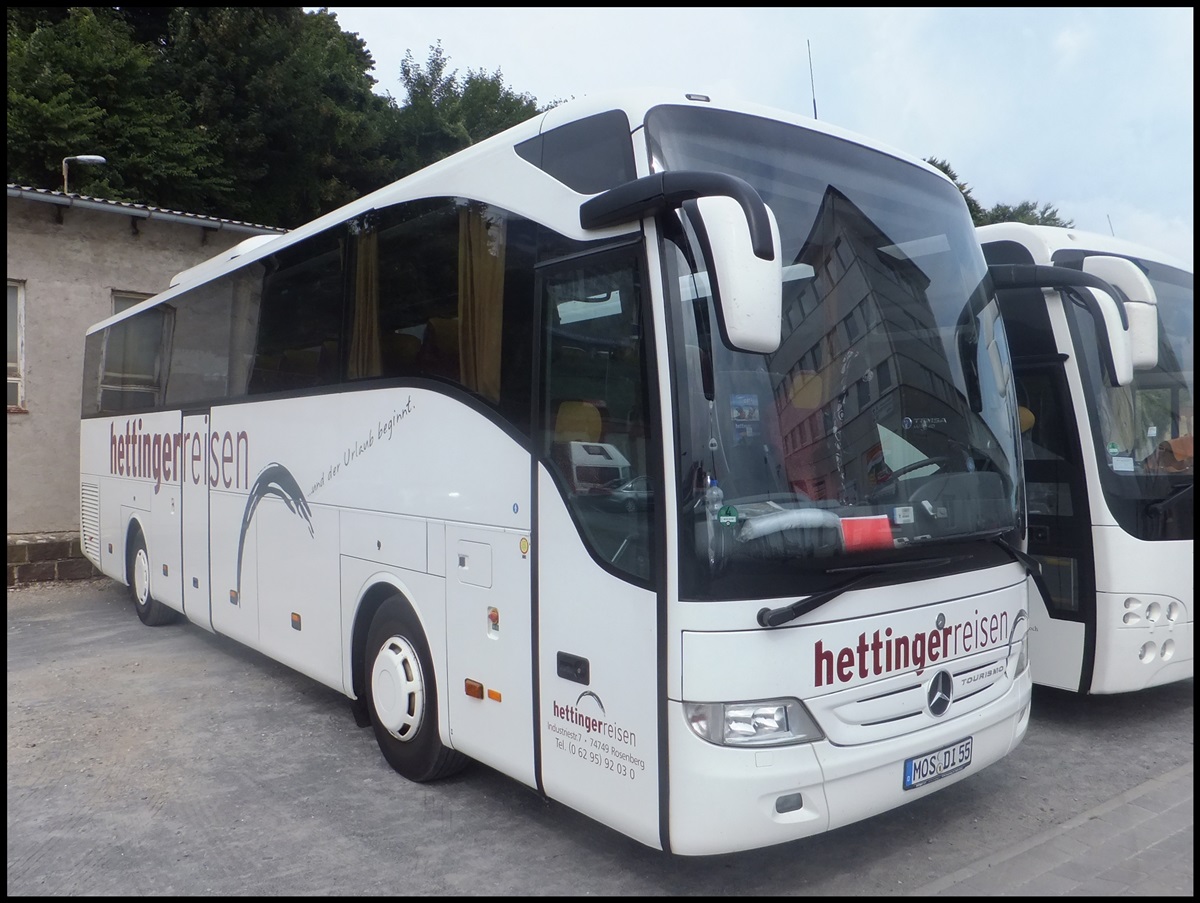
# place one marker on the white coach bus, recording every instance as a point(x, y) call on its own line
point(1106, 406)
point(658, 453)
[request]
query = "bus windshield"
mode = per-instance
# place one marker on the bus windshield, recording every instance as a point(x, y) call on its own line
point(884, 426)
point(1143, 433)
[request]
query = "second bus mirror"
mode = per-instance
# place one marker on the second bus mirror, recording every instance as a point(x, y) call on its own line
point(1118, 338)
point(749, 289)
point(1141, 305)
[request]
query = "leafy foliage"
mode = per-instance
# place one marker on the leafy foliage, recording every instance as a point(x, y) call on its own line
point(288, 98)
point(445, 114)
point(1024, 212)
point(81, 84)
point(266, 114)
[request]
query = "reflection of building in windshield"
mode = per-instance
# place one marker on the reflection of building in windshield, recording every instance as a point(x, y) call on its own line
point(859, 339)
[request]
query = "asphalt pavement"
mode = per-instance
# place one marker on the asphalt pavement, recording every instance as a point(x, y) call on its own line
point(168, 761)
point(1138, 843)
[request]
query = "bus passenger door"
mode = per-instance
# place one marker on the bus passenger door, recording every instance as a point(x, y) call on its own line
point(597, 492)
point(196, 574)
point(162, 524)
point(1060, 533)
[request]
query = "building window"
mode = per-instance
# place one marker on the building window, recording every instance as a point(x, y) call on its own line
point(125, 300)
point(16, 346)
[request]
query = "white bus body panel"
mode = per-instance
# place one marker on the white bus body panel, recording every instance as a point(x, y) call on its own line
point(1144, 622)
point(1055, 647)
point(490, 640)
point(1043, 241)
point(871, 724)
point(197, 579)
point(98, 535)
point(352, 457)
point(600, 739)
point(427, 592)
point(301, 488)
point(110, 450)
point(164, 528)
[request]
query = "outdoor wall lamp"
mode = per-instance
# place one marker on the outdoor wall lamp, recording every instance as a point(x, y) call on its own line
point(81, 158)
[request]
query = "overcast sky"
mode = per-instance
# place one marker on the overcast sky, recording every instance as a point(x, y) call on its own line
point(1090, 110)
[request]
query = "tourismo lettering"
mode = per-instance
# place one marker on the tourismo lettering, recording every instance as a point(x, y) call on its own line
point(882, 653)
point(220, 459)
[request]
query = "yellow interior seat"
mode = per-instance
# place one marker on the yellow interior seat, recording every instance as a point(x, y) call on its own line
point(577, 421)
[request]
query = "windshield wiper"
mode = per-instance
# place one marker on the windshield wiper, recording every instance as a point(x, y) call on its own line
point(773, 617)
point(1157, 509)
point(1033, 567)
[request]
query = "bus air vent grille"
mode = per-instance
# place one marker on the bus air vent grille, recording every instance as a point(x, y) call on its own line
point(89, 520)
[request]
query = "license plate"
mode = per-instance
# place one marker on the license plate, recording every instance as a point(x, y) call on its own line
point(931, 766)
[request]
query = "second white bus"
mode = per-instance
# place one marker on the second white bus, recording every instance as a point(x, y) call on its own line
point(658, 453)
point(1107, 456)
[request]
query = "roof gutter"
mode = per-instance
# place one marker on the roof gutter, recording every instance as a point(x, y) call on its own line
point(59, 199)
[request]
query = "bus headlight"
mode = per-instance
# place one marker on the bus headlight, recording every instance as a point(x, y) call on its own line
point(771, 722)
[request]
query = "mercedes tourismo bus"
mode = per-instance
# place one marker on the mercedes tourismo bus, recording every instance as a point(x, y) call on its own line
point(1108, 463)
point(384, 449)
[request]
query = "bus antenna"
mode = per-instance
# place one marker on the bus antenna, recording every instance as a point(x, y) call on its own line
point(1110, 228)
point(812, 84)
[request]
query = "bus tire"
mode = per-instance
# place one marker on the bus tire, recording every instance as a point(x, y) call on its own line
point(402, 696)
point(151, 612)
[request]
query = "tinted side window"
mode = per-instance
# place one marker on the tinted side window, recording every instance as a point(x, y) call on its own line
point(594, 408)
point(414, 250)
point(444, 290)
point(589, 156)
point(300, 327)
point(216, 325)
point(133, 360)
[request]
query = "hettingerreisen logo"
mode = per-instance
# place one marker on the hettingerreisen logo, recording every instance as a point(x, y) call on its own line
point(222, 460)
point(883, 652)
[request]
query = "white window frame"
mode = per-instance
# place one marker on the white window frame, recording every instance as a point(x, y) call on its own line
point(16, 375)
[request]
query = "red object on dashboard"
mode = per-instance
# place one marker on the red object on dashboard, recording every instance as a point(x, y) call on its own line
point(860, 533)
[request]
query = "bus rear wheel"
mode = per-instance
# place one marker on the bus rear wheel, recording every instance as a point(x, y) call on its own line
point(151, 612)
point(402, 696)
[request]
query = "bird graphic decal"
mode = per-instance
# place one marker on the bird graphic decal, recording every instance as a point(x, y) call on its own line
point(274, 479)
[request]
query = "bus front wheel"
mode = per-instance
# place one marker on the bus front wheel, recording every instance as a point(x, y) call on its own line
point(402, 696)
point(151, 612)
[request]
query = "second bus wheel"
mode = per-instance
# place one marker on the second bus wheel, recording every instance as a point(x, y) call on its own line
point(152, 612)
point(402, 696)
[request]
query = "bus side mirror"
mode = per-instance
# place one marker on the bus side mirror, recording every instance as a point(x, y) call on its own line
point(741, 236)
point(1102, 300)
point(748, 289)
point(1141, 305)
point(1121, 358)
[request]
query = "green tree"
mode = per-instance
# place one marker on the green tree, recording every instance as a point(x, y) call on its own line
point(487, 106)
point(972, 204)
point(81, 84)
point(24, 19)
point(266, 114)
point(443, 114)
point(288, 97)
point(1024, 212)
